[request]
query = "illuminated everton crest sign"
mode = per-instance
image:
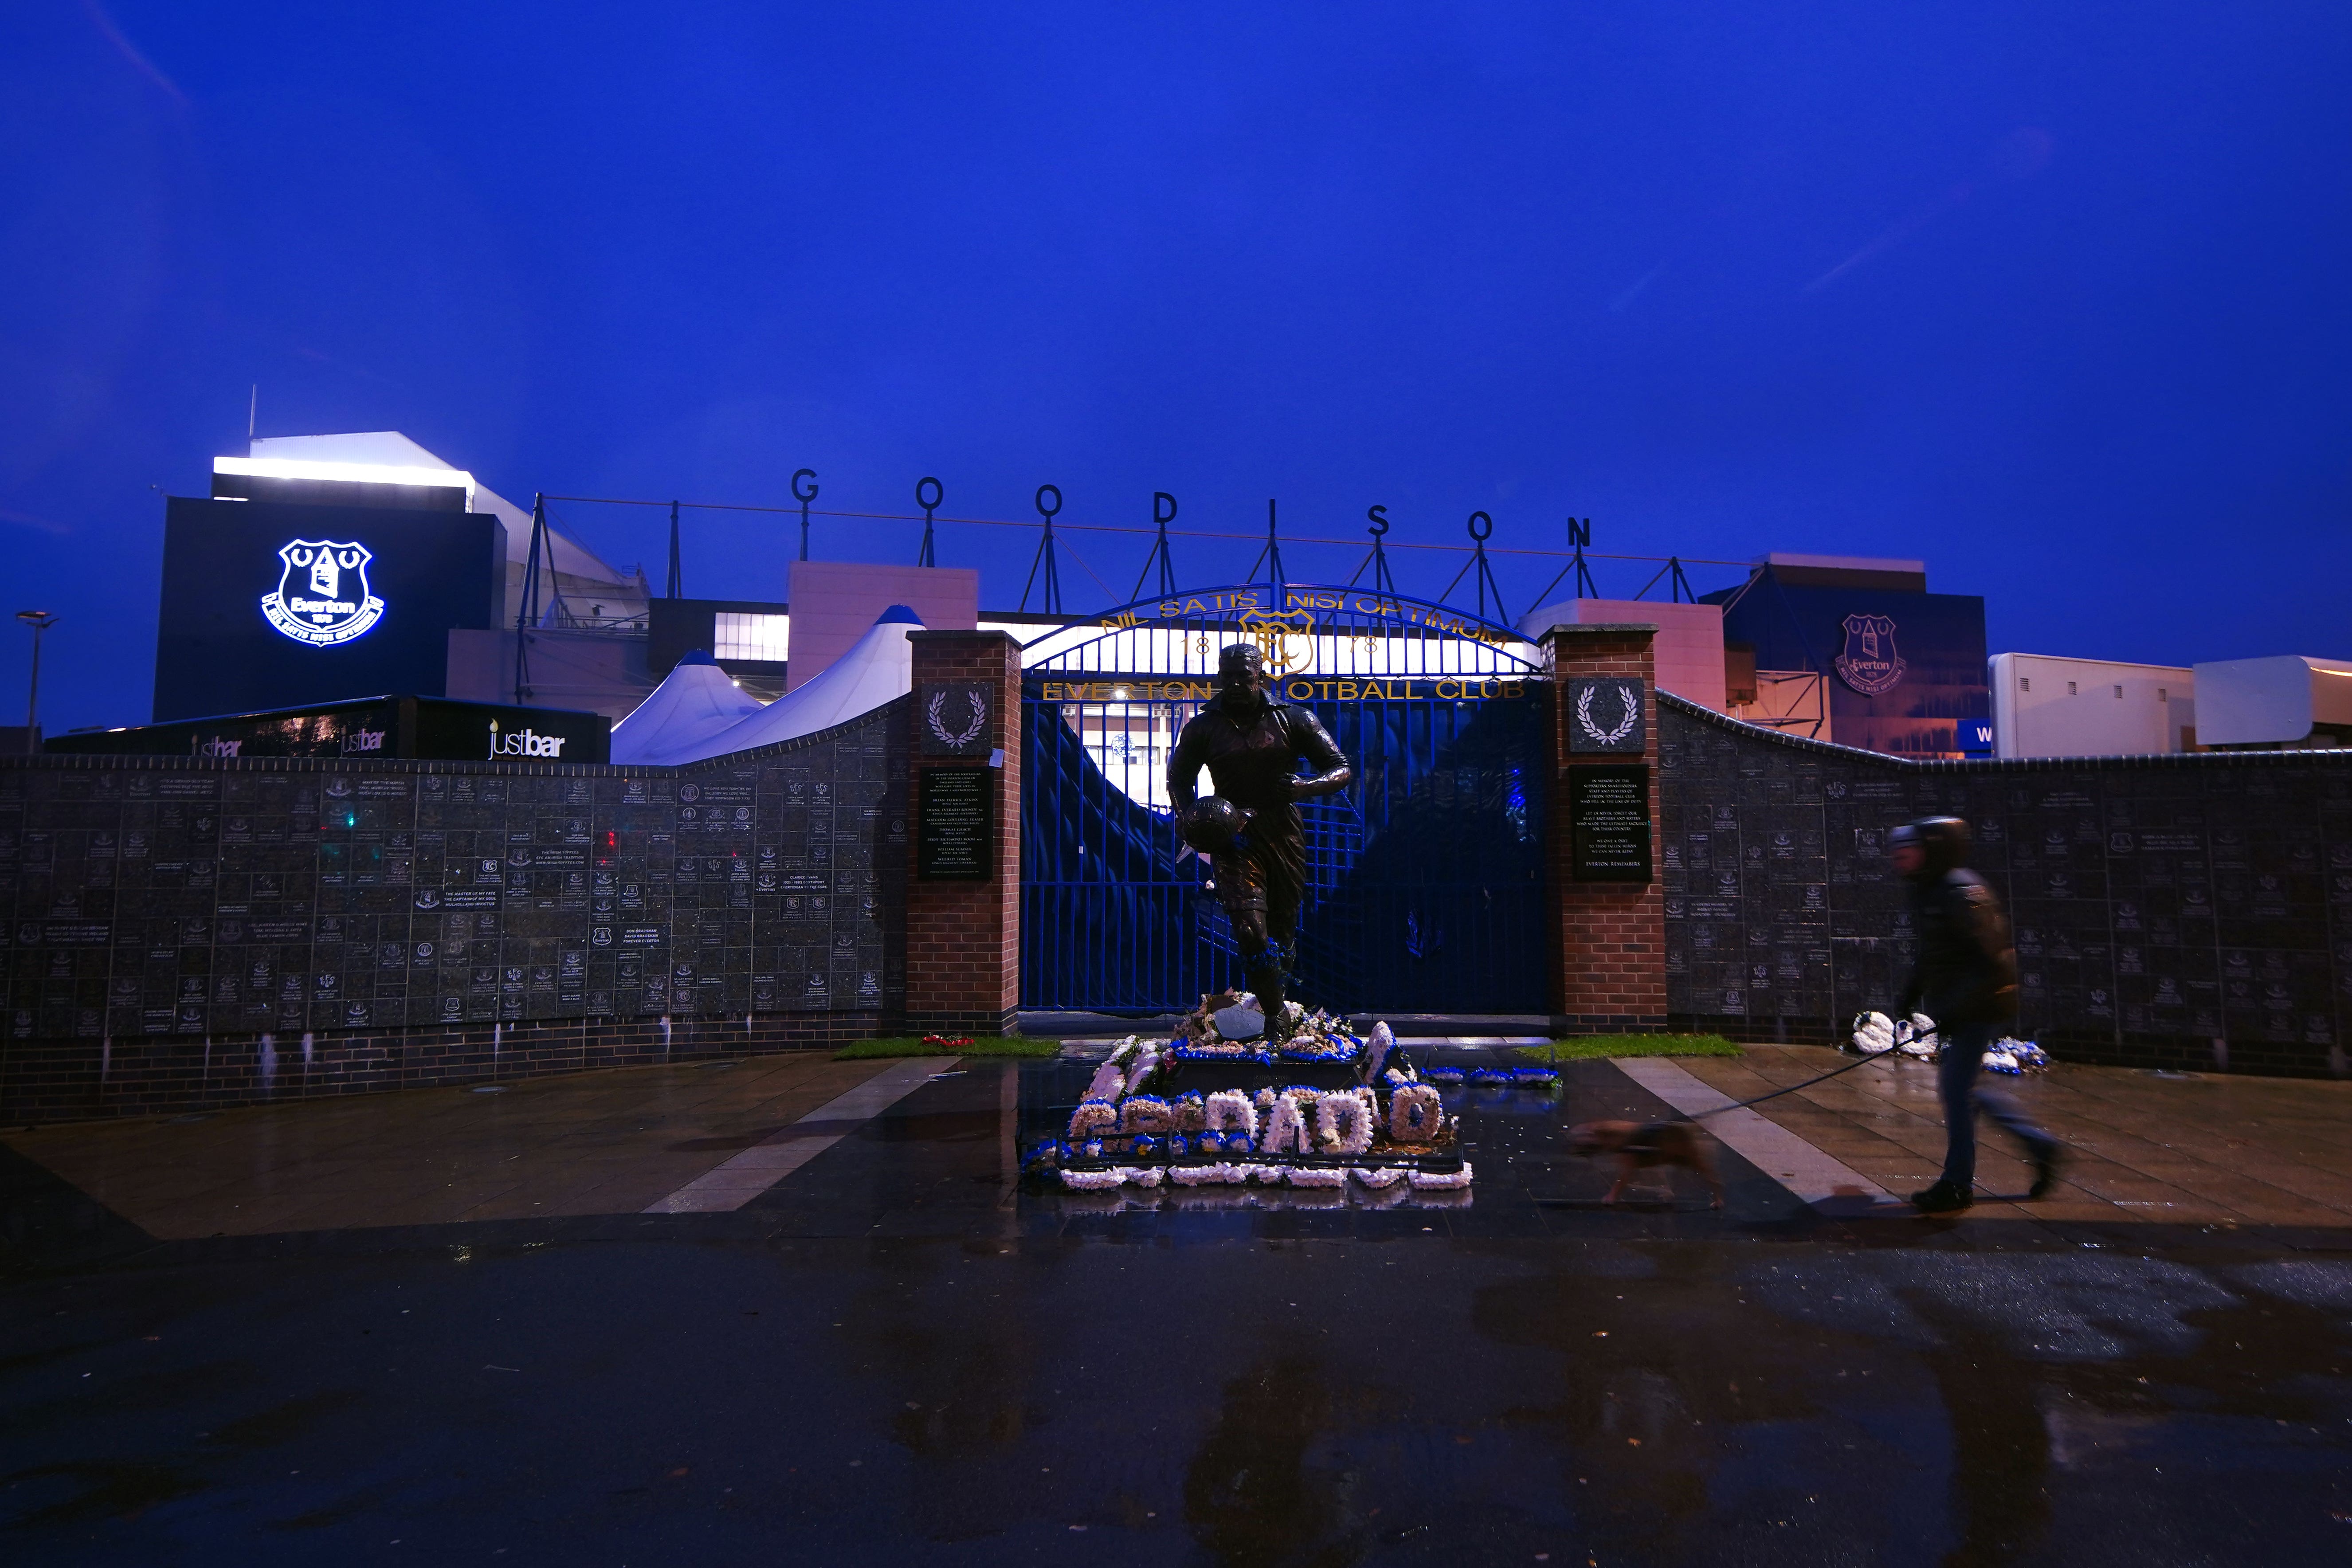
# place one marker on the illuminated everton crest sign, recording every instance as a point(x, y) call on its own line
point(322, 595)
point(1870, 664)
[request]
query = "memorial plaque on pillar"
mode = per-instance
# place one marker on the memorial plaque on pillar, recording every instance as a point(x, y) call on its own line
point(1609, 823)
point(955, 832)
point(1604, 714)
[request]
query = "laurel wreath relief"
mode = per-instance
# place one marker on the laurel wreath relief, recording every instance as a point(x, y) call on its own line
point(1609, 737)
point(939, 727)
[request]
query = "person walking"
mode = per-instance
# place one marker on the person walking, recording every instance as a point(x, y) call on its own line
point(1966, 980)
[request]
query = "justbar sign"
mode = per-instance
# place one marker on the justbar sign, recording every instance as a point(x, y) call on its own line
point(525, 742)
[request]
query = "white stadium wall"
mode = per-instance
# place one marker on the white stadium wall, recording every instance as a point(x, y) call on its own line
point(2284, 699)
point(2047, 707)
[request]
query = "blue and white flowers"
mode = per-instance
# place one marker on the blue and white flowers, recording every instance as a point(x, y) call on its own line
point(1146, 1114)
point(1315, 1036)
point(1383, 1136)
point(1228, 1112)
point(1092, 1119)
point(1875, 1033)
point(2011, 1056)
point(1416, 1114)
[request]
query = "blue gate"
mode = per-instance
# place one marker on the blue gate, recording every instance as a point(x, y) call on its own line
point(1425, 876)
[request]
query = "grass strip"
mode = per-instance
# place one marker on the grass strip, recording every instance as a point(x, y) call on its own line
point(1586, 1048)
point(977, 1045)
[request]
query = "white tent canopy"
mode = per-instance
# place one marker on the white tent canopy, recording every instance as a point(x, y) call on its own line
point(879, 668)
point(694, 703)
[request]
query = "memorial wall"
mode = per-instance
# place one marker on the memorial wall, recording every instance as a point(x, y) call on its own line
point(158, 910)
point(2174, 911)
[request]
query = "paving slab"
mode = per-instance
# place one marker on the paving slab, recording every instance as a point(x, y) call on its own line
point(594, 1143)
point(1816, 1177)
point(2180, 1148)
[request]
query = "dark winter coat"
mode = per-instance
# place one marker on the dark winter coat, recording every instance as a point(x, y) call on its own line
point(1967, 971)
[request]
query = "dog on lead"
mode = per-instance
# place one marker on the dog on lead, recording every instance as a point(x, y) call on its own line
point(1638, 1145)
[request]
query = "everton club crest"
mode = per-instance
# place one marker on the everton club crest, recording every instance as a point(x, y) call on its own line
point(1286, 641)
point(322, 595)
point(1870, 664)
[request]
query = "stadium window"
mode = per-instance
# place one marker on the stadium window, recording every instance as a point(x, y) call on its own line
point(2070, 691)
point(2162, 695)
point(2025, 683)
point(766, 638)
point(2119, 691)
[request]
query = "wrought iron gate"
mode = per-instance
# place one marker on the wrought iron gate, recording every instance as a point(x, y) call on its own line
point(1425, 876)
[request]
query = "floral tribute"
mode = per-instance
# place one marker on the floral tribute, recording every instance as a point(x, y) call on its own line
point(1509, 1077)
point(1313, 1037)
point(1875, 1033)
point(1390, 1132)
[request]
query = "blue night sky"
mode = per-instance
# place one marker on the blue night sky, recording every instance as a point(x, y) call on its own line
point(2051, 296)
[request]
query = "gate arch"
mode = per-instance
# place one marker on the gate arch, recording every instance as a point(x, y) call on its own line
point(1425, 876)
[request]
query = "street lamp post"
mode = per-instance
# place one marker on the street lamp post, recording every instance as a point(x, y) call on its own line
point(40, 621)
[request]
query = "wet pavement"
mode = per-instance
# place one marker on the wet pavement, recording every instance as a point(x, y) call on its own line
point(897, 1352)
point(2178, 1147)
point(601, 1142)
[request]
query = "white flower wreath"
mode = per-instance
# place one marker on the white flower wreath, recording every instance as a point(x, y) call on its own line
point(1873, 1034)
point(1286, 1131)
point(1416, 1113)
point(1229, 1110)
point(1343, 1122)
point(1425, 1181)
point(1378, 1177)
point(1092, 1180)
point(1092, 1119)
point(1108, 1083)
point(1146, 1114)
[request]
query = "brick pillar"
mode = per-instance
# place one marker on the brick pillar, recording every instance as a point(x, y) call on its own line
point(1611, 938)
point(963, 938)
